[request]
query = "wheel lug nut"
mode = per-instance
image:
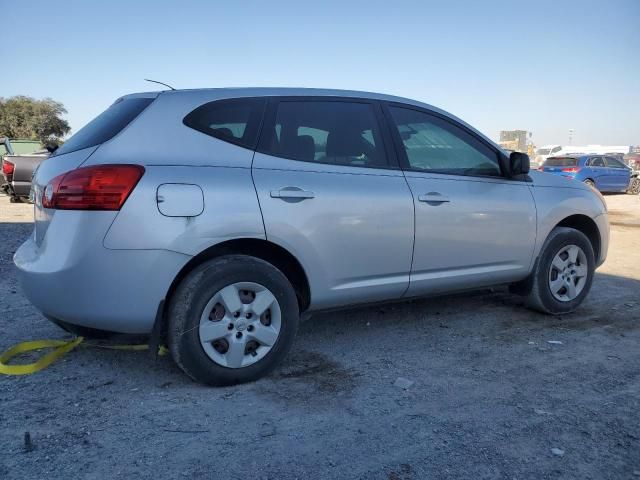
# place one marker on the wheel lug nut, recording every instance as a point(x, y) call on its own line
point(248, 315)
point(250, 328)
point(236, 314)
point(230, 327)
point(239, 335)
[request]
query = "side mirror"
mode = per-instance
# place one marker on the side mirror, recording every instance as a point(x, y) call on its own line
point(51, 147)
point(519, 163)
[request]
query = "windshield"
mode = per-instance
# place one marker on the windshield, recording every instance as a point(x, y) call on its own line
point(561, 162)
point(106, 125)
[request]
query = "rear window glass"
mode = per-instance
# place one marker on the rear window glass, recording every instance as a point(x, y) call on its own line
point(235, 121)
point(106, 125)
point(561, 162)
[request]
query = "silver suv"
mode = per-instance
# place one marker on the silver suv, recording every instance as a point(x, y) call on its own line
point(216, 217)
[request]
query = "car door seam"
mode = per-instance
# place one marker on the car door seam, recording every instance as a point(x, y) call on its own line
point(255, 189)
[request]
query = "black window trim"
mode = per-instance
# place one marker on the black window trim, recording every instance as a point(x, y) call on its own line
point(402, 155)
point(233, 141)
point(269, 119)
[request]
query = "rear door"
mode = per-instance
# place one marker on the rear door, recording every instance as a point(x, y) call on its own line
point(473, 226)
point(330, 193)
point(599, 173)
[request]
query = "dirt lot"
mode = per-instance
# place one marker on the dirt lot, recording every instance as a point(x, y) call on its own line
point(491, 396)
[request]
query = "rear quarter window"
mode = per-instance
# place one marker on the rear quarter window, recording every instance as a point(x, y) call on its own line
point(106, 125)
point(235, 121)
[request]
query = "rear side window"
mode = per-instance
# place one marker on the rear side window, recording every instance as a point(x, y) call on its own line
point(236, 121)
point(596, 162)
point(561, 162)
point(332, 132)
point(106, 125)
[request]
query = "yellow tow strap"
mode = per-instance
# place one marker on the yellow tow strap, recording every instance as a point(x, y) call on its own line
point(60, 348)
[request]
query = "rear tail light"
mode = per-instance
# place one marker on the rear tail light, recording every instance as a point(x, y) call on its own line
point(571, 169)
point(8, 167)
point(100, 187)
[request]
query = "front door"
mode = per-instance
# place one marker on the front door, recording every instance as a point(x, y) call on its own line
point(619, 174)
point(329, 195)
point(474, 227)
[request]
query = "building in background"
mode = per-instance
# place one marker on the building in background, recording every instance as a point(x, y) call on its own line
point(514, 140)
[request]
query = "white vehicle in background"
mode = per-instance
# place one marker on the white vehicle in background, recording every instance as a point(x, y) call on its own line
point(545, 152)
point(614, 150)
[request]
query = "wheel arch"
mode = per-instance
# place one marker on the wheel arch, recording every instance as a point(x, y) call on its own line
point(586, 225)
point(580, 222)
point(265, 250)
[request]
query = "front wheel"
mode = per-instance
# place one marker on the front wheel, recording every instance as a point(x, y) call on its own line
point(634, 188)
point(563, 273)
point(232, 320)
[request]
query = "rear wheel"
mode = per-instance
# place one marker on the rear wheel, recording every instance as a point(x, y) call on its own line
point(563, 273)
point(232, 320)
point(634, 188)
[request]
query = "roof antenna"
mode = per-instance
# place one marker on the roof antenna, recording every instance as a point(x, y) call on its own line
point(156, 81)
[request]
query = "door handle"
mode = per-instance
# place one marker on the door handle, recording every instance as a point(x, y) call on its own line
point(291, 192)
point(433, 198)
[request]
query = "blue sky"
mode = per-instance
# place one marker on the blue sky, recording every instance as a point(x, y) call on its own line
point(543, 66)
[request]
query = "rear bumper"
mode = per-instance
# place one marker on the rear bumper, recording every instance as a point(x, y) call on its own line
point(21, 189)
point(113, 290)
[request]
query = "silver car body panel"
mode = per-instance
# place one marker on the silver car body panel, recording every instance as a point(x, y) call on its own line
point(482, 234)
point(231, 211)
point(351, 236)
point(558, 198)
point(70, 276)
point(354, 237)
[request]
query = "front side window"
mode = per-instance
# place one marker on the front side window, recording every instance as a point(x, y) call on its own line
point(614, 163)
point(436, 145)
point(331, 132)
point(235, 121)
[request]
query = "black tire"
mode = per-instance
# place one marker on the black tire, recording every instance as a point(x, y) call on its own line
point(590, 182)
point(634, 188)
point(540, 297)
point(190, 298)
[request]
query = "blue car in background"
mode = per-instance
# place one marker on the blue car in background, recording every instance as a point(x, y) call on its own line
point(603, 172)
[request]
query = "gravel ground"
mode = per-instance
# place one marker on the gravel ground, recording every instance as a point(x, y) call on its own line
point(490, 398)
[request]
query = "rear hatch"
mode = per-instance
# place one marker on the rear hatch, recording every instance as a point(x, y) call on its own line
point(559, 164)
point(77, 149)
